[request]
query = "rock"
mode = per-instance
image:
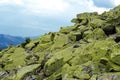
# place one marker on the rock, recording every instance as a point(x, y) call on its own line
point(115, 56)
point(109, 29)
point(24, 70)
point(117, 38)
point(109, 76)
point(59, 41)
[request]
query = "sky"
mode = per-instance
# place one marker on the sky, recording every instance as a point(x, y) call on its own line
point(36, 17)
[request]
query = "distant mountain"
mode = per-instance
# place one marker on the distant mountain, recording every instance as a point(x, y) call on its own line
point(6, 40)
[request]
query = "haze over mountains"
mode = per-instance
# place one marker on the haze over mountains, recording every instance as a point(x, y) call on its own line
point(6, 40)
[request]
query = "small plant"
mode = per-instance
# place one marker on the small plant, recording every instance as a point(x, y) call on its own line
point(27, 40)
point(0, 49)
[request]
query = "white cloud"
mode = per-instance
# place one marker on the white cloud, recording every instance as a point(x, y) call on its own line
point(47, 4)
point(17, 2)
point(116, 2)
point(86, 6)
point(92, 7)
point(43, 7)
point(52, 7)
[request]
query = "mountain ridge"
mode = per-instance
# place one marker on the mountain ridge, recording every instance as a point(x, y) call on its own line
point(6, 40)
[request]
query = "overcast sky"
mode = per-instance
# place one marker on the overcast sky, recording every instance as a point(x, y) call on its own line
point(36, 17)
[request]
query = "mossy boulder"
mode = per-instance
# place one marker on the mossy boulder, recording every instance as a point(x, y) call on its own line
point(108, 76)
point(58, 60)
point(23, 71)
point(14, 60)
point(59, 41)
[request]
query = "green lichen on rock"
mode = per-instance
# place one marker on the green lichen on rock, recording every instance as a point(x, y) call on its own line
point(24, 70)
point(87, 50)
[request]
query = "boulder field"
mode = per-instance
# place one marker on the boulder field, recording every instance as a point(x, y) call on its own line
point(87, 50)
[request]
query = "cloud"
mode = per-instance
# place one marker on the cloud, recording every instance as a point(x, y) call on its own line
point(46, 6)
point(104, 3)
point(79, 6)
point(56, 7)
point(39, 6)
point(17, 2)
point(116, 2)
point(95, 8)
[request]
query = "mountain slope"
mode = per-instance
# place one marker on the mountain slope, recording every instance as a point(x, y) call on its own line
point(88, 50)
point(6, 40)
